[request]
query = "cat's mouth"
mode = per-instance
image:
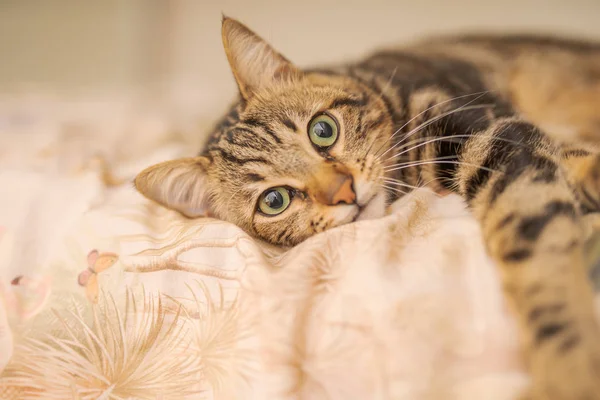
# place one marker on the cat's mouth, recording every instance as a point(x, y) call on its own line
point(372, 208)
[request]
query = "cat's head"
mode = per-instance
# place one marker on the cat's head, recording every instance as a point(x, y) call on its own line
point(297, 157)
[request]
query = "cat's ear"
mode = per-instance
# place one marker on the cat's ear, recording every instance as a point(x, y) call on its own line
point(181, 185)
point(254, 63)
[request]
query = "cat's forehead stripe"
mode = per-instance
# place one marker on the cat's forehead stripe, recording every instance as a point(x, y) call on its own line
point(234, 159)
point(254, 177)
point(350, 101)
point(289, 123)
point(245, 139)
point(257, 123)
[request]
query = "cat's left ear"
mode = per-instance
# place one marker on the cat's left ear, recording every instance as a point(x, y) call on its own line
point(254, 63)
point(182, 185)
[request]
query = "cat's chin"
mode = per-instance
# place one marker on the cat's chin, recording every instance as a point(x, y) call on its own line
point(374, 209)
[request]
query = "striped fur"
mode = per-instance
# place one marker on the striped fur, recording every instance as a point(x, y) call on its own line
point(510, 123)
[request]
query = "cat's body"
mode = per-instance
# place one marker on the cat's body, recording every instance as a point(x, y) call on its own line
point(509, 123)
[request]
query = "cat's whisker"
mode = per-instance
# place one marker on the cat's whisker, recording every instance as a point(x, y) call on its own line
point(414, 187)
point(424, 138)
point(416, 144)
point(431, 139)
point(428, 109)
point(417, 163)
point(393, 189)
point(416, 147)
point(388, 83)
point(432, 120)
point(398, 183)
point(478, 94)
point(429, 122)
point(449, 157)
point(371, 146)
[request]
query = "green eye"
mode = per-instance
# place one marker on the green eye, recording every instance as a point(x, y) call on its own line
point(323, 130)
point(274, 201)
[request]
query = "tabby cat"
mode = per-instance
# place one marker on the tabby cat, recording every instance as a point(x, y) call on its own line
point(509, 122)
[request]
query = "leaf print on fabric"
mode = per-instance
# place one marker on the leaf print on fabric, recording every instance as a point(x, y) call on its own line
point(136, 352)
point(166, 257)
point(215, 335)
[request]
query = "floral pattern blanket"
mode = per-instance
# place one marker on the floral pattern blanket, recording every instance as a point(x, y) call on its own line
point(104, 295)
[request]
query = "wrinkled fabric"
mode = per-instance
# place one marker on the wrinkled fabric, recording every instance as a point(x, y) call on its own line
point(105, 295)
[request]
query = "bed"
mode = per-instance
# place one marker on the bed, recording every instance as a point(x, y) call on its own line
point(104, 295)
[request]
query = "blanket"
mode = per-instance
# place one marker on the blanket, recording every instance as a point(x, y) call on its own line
point(104, 295)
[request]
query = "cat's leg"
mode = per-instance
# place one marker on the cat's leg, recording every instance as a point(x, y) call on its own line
point(559, 91)
point(532, 228)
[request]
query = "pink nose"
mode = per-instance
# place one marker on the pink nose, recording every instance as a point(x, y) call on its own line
point(333, 185)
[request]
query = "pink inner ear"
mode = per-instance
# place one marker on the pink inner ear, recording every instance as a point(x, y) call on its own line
point(84, 277)
point(92, 257)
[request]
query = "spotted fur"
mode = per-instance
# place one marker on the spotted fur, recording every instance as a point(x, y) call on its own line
point(510, 123)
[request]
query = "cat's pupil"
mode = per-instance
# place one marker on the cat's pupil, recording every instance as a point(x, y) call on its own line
point(274, 199)
point(323, 130)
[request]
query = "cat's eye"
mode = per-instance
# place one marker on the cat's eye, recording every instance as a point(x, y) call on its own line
point(274, 201)
point(323, 130)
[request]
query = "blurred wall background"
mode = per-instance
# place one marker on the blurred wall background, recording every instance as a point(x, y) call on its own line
point(173, 48)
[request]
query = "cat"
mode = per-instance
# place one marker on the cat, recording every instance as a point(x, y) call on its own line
point(510, 123)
